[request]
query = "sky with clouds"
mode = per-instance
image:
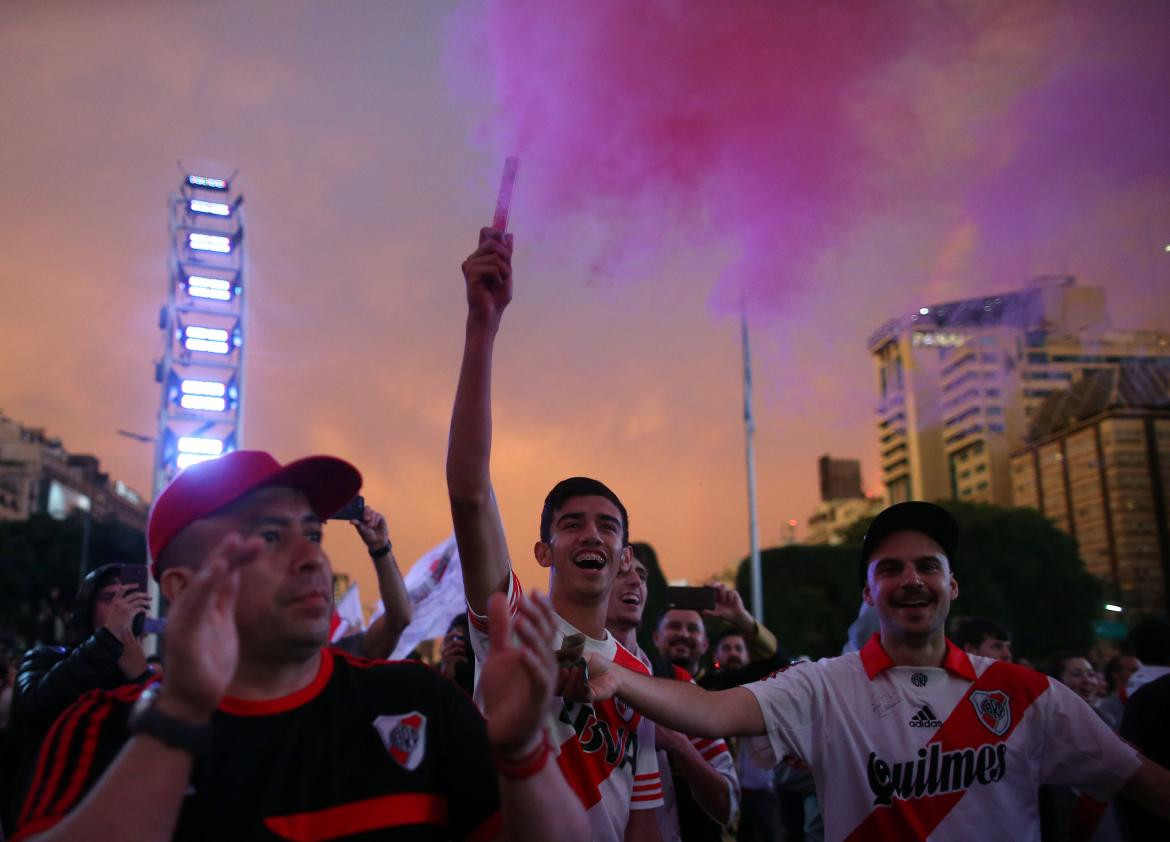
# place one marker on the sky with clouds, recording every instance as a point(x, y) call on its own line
point(830, 166)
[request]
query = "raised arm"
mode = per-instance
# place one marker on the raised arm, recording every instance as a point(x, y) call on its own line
point(479, 533)
point(678, 704)
point(382, 635)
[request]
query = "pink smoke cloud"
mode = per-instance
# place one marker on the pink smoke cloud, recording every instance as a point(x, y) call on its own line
point(782, 130)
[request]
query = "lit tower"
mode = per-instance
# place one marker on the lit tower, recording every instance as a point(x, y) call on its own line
point(202, 367)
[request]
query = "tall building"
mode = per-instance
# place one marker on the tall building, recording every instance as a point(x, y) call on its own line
point(843, 503)
point(840, 478)
point(959, 382)
point(38, 476)
point(1098, 464)
point(832, 518)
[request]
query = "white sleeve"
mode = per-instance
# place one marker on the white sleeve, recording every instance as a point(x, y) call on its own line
point(477, 631)
point(718, 754)
point(477, 624)
point(790, 702)
point(647, 780)
point(1080, 750)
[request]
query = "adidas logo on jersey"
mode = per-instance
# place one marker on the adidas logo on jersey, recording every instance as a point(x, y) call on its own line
point(925, 718)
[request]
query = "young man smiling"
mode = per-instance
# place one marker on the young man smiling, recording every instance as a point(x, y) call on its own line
point(911, 738)
point(605, 749)
point(700, 795)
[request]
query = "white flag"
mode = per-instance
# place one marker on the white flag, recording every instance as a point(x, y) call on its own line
point(434, 584)
point(349, 615)
point(377, 611)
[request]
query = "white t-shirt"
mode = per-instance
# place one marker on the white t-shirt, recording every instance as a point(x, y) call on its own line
point(926, 753)
point(605, 749)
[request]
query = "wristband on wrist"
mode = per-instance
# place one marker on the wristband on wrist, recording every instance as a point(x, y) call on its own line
point(525, 767)
point(381, 552)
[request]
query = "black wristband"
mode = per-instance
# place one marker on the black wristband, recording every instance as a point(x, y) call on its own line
point(381, 552)
point(146, 718)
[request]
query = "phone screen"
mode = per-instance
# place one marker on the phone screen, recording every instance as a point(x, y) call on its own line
point(693, 599)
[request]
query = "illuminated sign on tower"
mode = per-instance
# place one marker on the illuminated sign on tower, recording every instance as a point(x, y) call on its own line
point(202, 365)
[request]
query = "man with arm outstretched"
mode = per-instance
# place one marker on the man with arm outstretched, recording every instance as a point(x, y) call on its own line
point(911, 738)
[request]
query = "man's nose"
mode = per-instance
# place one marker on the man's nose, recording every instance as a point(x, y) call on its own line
point(911, 575)
point(309, 554)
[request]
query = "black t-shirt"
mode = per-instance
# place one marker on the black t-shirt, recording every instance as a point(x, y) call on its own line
point(1146, 725)
point(369, 750)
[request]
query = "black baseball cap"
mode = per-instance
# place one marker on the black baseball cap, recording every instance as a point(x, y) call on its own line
point(927, 518)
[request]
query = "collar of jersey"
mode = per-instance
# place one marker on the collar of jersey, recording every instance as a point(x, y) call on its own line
point(876, 660)
point(267, 707)
point(607, 645)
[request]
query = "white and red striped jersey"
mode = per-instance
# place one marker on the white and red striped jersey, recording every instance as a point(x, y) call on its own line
point(605, 749)
point(956, 752)
point(714, 751)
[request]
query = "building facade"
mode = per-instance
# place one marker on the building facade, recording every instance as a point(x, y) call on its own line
point(840, 478)
point(1098, 465)
point(38, 476)
point(959, 383)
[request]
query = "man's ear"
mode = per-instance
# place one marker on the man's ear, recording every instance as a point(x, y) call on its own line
point(543, 553)
point(866, 596)
point(954, 588)
point(625, 560)
point(174, 581)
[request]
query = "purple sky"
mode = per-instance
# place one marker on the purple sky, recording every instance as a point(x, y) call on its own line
point(836, 168)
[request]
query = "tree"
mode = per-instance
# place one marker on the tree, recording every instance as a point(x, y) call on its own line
point(40, 566)
point(1012, 565)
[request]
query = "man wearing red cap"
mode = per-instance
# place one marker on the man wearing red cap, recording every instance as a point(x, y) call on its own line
point(911, 738)
point(259, 731)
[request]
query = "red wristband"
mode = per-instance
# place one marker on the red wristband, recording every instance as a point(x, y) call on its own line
point(521, 768)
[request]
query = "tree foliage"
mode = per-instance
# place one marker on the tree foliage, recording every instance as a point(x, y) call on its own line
point(1012, 565)
point(41, 564)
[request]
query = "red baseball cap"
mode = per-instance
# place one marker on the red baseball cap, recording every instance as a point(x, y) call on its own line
point(207, 487)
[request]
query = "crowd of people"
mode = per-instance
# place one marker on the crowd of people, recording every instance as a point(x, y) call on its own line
point(545, 719)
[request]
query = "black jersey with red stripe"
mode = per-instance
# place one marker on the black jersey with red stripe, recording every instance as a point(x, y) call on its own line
point(369, 750)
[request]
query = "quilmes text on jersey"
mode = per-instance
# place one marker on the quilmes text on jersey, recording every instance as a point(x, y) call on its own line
point(935, 771)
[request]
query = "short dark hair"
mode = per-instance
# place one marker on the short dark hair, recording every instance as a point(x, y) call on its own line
point(579, 487)
point(723, 635)
point(972, 631)
point(1150, 641)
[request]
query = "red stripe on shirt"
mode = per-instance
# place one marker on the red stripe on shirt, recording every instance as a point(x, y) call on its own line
point(360, 817)
point(917, 818)
point(715, 751)
point(648, 777)
point(490, 828)
point(267, 707)
point(84, 761)
point(513, 602)
point(54, 753)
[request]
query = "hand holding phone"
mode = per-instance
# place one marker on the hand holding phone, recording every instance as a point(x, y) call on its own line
point(353, 510)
